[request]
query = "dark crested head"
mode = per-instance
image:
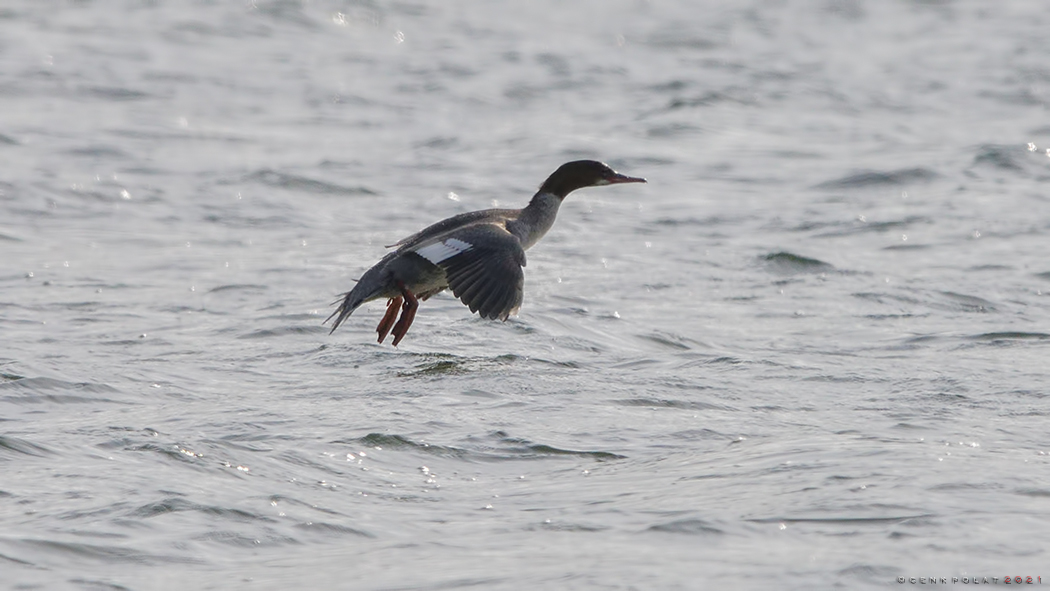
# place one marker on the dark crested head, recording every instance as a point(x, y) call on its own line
point(583, 173)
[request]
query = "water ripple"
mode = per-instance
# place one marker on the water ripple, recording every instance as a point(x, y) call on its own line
point(296, 183)
point(498, 446)
point(874, 178)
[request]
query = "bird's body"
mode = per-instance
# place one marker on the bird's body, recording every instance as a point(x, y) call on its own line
point(479, 255)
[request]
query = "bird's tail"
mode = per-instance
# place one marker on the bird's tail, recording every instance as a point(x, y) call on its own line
point(350, 301)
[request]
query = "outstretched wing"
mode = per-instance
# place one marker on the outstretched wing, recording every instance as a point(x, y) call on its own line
point(445, 226)
point(483, 265)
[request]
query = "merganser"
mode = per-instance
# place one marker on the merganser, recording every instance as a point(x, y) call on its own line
point(479, 255)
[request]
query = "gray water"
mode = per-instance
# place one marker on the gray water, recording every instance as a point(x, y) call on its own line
point(810, 353)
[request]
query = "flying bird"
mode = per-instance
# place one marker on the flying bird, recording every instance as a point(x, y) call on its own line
point(478, 255)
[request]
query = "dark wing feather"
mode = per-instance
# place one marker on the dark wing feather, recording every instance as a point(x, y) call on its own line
point(445, 226)
point(488, 277)
point(491, 307)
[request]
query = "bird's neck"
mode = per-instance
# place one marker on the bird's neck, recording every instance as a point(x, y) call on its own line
point(536, 218)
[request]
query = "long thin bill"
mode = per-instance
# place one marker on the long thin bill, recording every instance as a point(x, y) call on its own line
point(622, 178)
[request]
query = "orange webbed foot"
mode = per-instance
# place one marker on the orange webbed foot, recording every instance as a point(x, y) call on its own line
point(388, 319)
point(408, 314)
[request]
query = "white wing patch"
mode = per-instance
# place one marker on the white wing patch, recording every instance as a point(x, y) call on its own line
point(444, 250)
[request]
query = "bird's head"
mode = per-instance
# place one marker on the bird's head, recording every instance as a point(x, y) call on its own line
point(583, 173)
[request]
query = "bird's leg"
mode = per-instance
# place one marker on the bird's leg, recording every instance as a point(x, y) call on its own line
point(388, 319)
point(408, 314)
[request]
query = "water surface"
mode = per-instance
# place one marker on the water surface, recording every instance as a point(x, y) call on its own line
point(810, 353)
